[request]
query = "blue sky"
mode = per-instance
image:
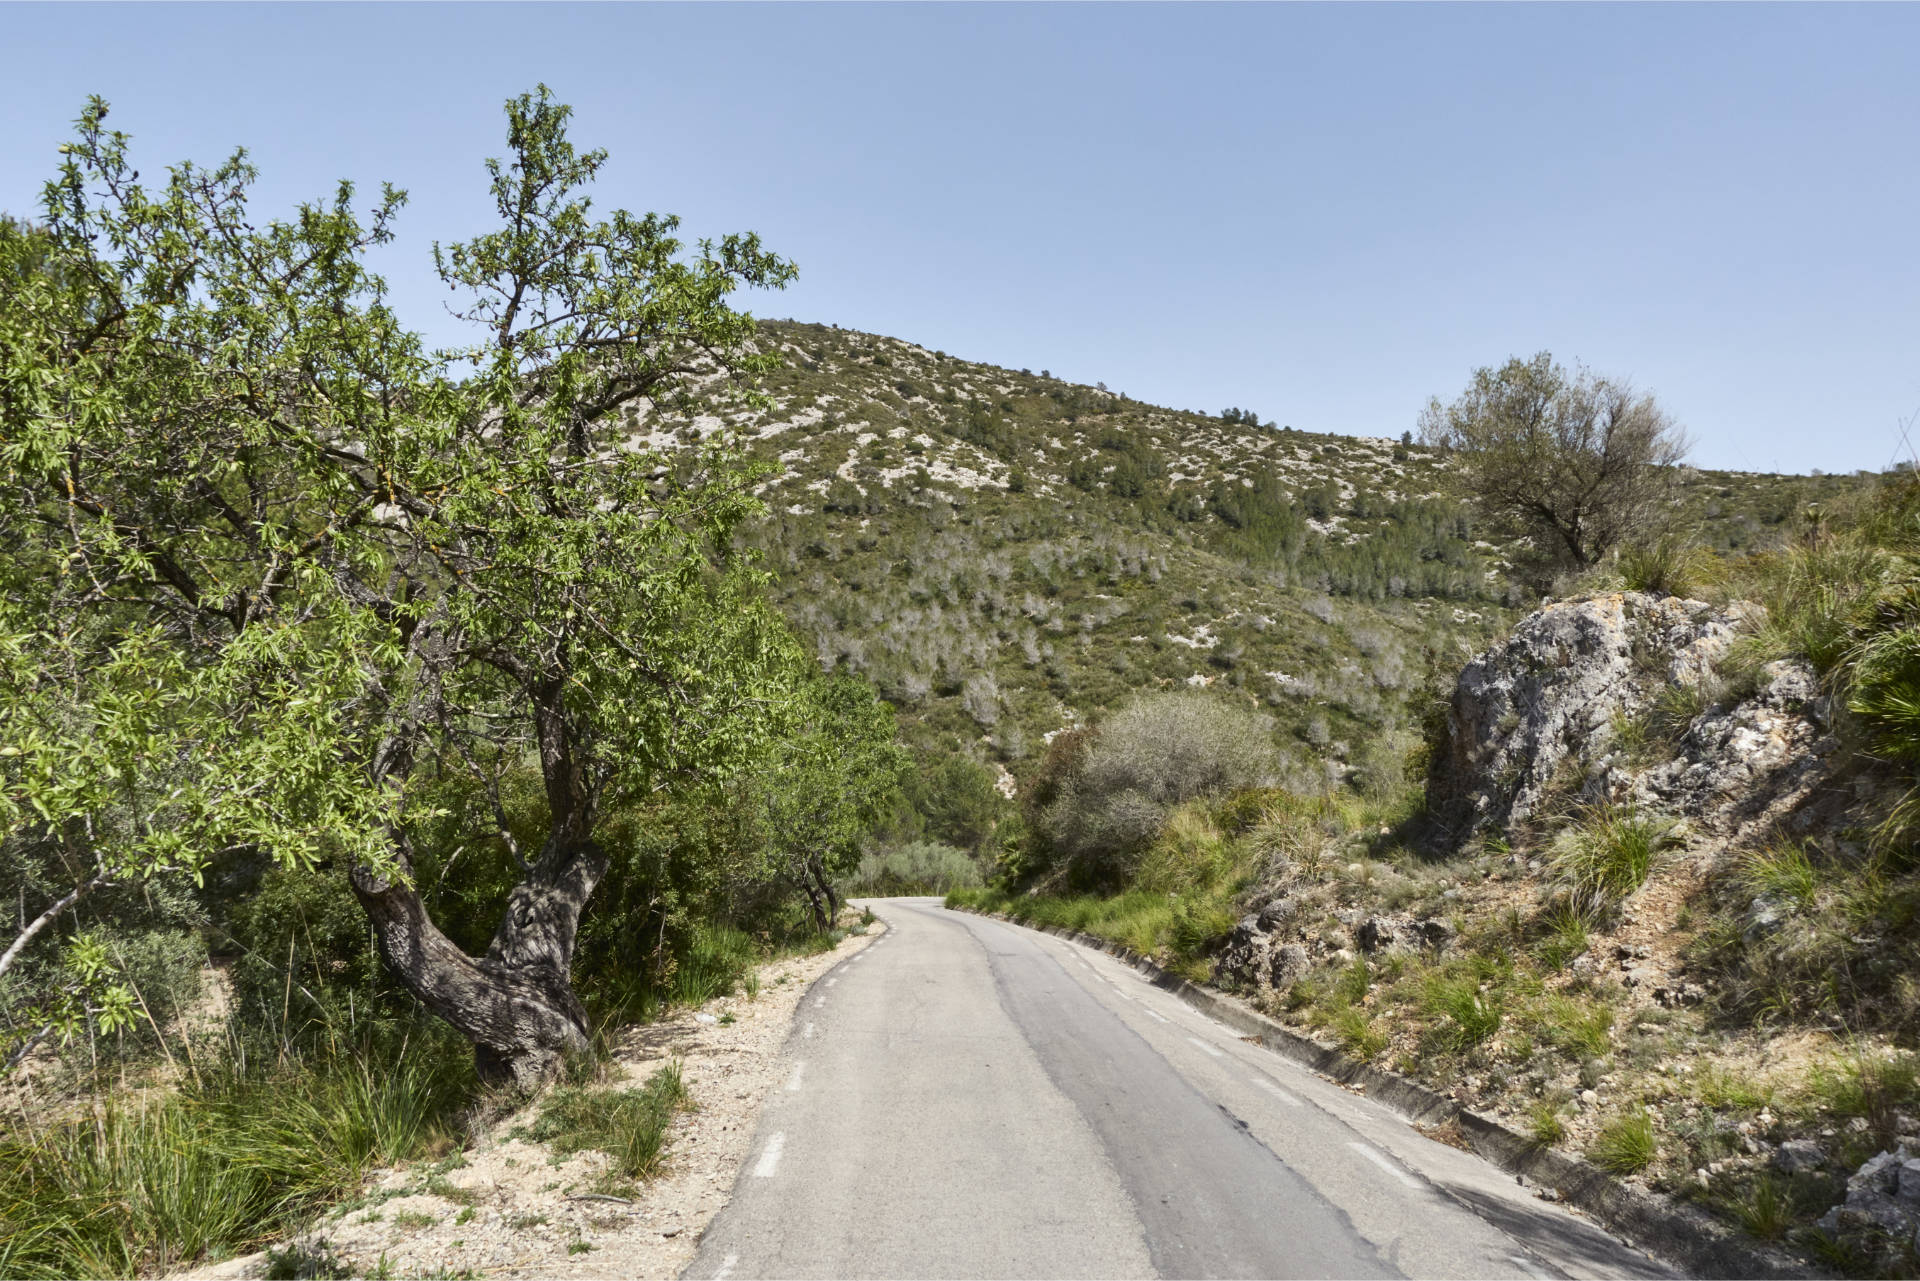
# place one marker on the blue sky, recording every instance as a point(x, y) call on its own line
point(1326, 214)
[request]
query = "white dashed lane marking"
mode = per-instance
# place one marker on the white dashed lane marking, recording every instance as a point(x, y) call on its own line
point(770, 1157)
point(799, 1069)
point(1203, 1045)
point(806, 1033)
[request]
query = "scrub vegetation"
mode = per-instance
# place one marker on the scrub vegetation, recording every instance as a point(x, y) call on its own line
point(382, 729)
point(1601, 976)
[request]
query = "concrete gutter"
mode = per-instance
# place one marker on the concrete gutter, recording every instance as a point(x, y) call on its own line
point(1686, 1236)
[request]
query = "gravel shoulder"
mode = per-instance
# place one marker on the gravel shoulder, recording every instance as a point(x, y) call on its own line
point(506, 1208)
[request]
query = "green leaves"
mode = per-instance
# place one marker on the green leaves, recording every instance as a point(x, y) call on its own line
point(267, 567)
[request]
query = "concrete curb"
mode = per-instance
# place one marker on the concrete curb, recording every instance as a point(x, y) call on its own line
point(1681, 1234)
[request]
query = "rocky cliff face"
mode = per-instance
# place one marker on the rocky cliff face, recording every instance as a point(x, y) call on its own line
point(1562, 708)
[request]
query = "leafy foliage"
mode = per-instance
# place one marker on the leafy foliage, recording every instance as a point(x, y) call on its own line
point(1577, 463)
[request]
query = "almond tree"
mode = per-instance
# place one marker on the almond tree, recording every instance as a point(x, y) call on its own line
point(270, 563)
point(1576, 462)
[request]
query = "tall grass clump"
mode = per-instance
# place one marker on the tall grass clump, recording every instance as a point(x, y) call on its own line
point(1871, 1085)
point(1626, 1144)
point(1669, 566)
point(1599, 862)
point(1782, 871)
point(1470, 1016)
point(237, 1156)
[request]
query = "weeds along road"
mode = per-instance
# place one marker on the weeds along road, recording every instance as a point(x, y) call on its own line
point(969, 1098)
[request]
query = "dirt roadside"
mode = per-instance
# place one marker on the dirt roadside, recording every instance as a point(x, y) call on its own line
point(505, 1208)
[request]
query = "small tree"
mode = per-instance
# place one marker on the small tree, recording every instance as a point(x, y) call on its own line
point(1578, 463)
point(824, 787)
point(267, 567)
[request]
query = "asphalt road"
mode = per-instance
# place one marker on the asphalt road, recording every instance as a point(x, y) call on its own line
point(974, 1099)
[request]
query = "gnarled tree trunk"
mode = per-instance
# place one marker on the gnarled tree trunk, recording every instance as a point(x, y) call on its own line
point(516, 1003)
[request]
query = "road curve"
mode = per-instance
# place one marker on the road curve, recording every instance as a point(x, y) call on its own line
point(969, 1098)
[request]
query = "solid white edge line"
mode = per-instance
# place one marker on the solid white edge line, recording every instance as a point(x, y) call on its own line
point(1384, 1162)
point(1289, 1099)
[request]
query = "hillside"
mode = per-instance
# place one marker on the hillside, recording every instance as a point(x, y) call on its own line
point(1006, 554)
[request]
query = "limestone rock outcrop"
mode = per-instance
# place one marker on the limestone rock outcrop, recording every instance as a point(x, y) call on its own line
point(1547, 712)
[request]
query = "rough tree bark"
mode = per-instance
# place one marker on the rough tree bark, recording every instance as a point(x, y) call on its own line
point(516, 1004)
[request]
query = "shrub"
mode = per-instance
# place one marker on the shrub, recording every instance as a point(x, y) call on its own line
point(1158, 751)
point(920, 867)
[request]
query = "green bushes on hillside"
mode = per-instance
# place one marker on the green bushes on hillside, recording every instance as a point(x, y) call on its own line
point(921, 867)
point(1103, 796)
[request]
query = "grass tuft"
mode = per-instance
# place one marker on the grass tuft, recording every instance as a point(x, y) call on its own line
point(628, 1125)
point(1471, 1015)
point(231, 1161)
point(1626, 1144)
point(1600, 862)
point(1543, 1119)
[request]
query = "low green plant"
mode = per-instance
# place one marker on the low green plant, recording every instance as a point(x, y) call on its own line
point(238, 1156)
point(1781, 871)
point(1675, 708)
point(1668, 565)
point(1357, 1033)
point(1869, 1084)
point(1471, 1016)
point(1600, 861)
point(1626, 1144)
point(302, 1263)
point(1580, 1028)
point(1545, 1124)
point(1717, 1087)
point(630, 1126)
point(1199, 925)
point(1764, 1208)
point(1566, 936)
